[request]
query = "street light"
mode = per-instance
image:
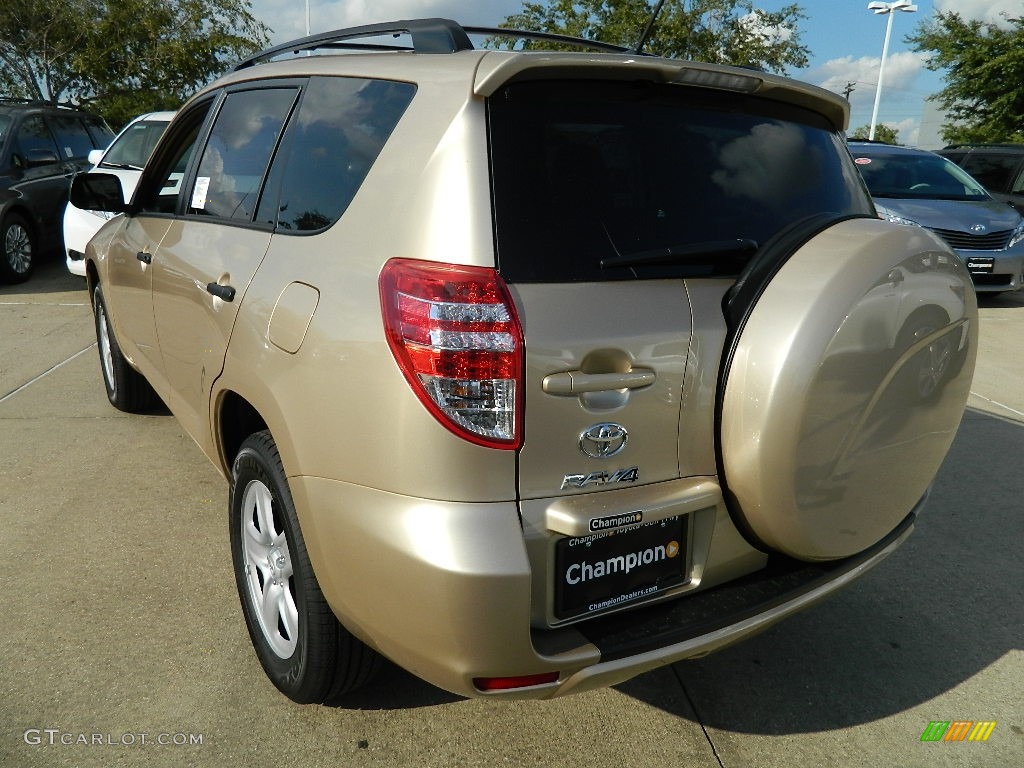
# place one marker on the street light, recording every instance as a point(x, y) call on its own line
point(885, 8)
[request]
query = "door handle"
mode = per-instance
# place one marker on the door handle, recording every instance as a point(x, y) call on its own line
point(578, 382)
point(145, 258)
point(225, 292)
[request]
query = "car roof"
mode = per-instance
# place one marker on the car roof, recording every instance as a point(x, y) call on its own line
point(879, 148)
point(447, 57)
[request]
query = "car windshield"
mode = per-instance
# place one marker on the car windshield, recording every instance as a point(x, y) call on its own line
point(133, 147)
point(5, 124)
point(916, 176)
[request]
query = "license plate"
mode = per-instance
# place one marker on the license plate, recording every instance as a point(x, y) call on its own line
point(604, 570)
point(981, 265)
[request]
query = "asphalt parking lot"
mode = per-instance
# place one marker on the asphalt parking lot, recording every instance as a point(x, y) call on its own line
point(123, 644)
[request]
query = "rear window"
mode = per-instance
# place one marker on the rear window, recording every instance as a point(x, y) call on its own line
point(994, 171)
point(591, 171)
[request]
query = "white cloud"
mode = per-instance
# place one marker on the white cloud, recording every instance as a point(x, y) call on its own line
point(990, 11)
point(901, 71)
point(287, 18)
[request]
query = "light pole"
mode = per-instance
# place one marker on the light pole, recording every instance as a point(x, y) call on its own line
point(885, 8)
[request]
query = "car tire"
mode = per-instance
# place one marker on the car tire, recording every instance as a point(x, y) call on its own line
point(926, 372)
point(302, 647)
point(127, 389)
point(17, 249)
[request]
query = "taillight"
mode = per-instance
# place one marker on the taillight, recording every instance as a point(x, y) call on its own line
point(454, 332)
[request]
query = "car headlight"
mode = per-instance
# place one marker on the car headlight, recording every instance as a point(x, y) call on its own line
point(885, 213)
point(1017, 236)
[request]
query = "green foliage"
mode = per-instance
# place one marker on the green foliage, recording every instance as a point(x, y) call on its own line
point(984, 73)
point(122, 57)
point(884, 133)
point(717, 31)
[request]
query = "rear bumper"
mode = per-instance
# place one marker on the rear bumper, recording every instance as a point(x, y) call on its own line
point(444, 590)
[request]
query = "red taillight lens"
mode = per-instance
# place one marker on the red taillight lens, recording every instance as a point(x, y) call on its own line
point(510, 683)
point(454, 332)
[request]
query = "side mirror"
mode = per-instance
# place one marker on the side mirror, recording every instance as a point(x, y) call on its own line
point(98, 192)
point(95, 155)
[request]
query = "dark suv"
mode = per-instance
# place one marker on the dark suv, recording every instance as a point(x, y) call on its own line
point(999, 167)
point(42, 146)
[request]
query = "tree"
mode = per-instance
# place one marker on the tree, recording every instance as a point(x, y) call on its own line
point(984, 70)
point(717, 31)
point(884, 133)
point(122, 57)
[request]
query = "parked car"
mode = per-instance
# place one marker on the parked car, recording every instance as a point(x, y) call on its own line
point(999, 167)
point(42, 145)
point(125, 158)
point(912, 186)
point(530, 371)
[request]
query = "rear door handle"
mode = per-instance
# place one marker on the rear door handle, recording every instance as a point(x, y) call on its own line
point(145, 258)
point(225, 292)
point(578, 382)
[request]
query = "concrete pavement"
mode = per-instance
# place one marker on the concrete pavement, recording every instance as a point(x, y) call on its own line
point(122, 629)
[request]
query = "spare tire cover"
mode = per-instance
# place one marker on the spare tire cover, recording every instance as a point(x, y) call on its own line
point(843, 387)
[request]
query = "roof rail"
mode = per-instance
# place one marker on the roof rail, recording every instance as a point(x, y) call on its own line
point(983, 145)
point(428, 36)
point(6, 100)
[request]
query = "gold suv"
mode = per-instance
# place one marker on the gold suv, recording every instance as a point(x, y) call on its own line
point(529, 371)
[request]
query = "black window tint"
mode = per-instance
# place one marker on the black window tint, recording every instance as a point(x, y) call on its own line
point(993, 171)
point(135, 145)
point(99, 131)
point(1018, 185)
point(235, 159)
point(340, 129)
point(161, 183)
point(35, 143)
point(584, 171)
point(72, 137)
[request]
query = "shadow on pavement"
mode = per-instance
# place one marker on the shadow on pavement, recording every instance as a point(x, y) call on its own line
point(394, 688)
point(940, 610)
point(51, 276)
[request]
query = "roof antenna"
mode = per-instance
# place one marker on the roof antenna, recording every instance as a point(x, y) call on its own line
point(650, 27)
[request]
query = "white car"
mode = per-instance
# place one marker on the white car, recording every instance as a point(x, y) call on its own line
point(125, 158)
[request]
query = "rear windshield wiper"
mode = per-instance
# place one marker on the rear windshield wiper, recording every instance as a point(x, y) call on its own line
point(683, 254)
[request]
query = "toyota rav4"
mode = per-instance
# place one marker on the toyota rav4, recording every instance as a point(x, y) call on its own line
point(529, 371)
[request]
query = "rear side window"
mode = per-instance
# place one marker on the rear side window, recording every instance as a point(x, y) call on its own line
point(586, 171)
point(341, 126)
point(72, 137)
point(234, 162)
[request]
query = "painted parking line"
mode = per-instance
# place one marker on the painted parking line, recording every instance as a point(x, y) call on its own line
point(996, 403)
point(46, 373)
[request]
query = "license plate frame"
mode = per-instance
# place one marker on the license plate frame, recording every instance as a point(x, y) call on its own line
point(597, 572)
point(980, 265)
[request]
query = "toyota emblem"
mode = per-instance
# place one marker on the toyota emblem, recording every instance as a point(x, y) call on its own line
point(603, 440)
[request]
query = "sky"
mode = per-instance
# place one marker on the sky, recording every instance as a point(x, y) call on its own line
point(844, 37)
